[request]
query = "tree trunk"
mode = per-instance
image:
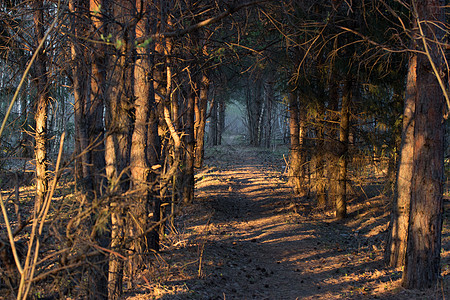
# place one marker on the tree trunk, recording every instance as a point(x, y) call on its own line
point(297, 132)
point(154, 159)
point(201, 121)
point(302, 135)
point(88, 105)
point(341, 199)
point(26, 139)
point(118, 140)
point(254, 105)
point(96, 105)
point(395, 141)
point(41, 108)
point(213, 128)
point(422, 264)
point(331, 140)
point(188, 182)
point(320, 168)
point(320, 158)
point(139, 164)
point(221, 120)
point(398, 227)
point(295, 161)
point(81, 93)
point(269, 93)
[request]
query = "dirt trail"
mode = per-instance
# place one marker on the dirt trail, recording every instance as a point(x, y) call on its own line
point(247, 239)
point(253, 232)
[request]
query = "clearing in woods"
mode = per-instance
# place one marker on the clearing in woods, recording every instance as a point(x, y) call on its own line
point(248, 237)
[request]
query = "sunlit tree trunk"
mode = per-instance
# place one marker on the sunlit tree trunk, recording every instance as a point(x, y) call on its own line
point(422, 263)
point(41, 107)
point(398, 227)
point(139, 164)
point(153, 149)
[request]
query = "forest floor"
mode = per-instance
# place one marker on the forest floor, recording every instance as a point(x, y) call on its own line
point(248, 237)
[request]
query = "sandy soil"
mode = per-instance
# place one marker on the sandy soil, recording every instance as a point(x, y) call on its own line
point(248, 237)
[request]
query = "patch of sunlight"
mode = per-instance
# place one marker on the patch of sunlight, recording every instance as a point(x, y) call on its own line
point(284, 239)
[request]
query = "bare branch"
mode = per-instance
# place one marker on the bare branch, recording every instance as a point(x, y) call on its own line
point(199, 25)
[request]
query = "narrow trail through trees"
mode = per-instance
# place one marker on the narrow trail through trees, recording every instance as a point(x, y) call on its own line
point(253, 230)
point(262, 242)
point(248, 237)
point(270, 250)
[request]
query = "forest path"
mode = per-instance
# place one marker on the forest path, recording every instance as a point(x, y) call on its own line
point(262, 247)
point(244, 238)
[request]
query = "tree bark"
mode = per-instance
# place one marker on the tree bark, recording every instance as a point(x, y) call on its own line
point(297, 130)
point(118, 140)
point(213, 128)
point(398, 227)
point(221, 120)
point(320, 159)
point(422, 264)
point(96, 101)
point(201, 120)
point(331, 139)
point(88, 81)
point(26, 139)
point(269, 94)
point(188, 182)
point(80, 75)
point(41, 108)
point(254, 105)
point(295, 162)
point(154, 159)
point(139, 164)
point(344, 129)
point(153, 141)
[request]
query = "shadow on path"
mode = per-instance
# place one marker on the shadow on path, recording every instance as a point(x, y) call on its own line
point(245, 241)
